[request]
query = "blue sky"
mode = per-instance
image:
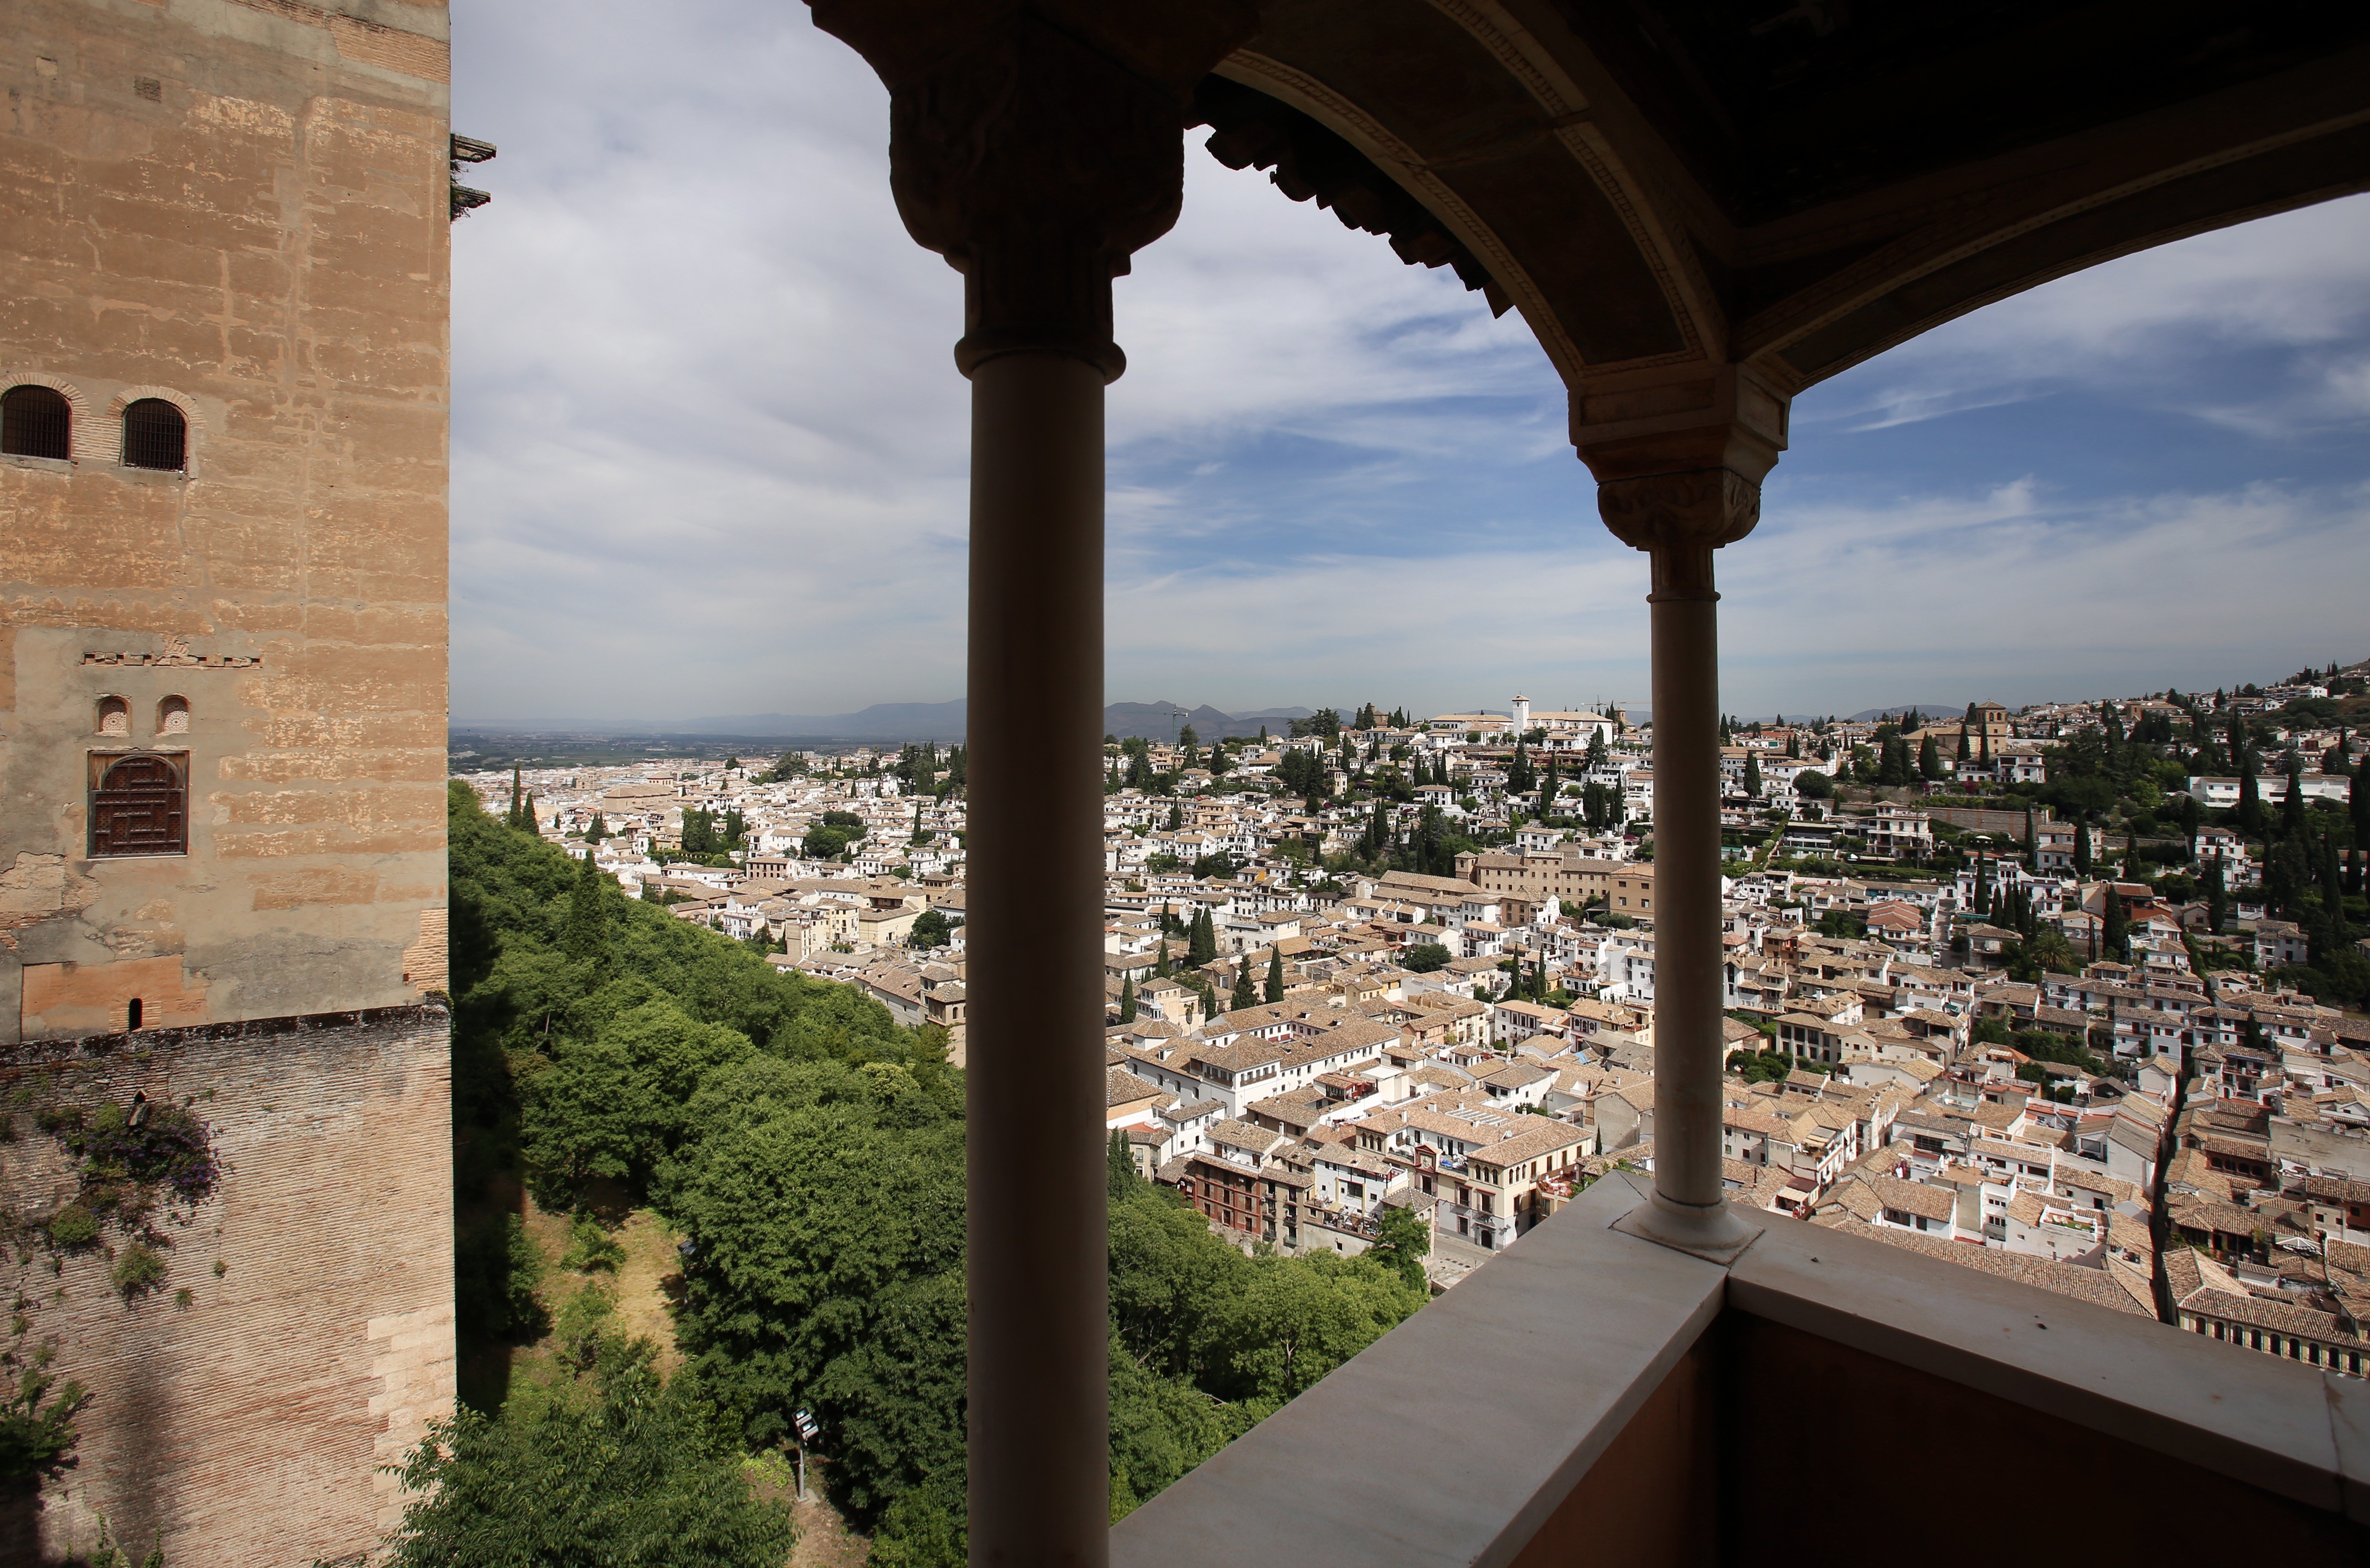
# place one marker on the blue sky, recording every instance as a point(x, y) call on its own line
point(708, 441)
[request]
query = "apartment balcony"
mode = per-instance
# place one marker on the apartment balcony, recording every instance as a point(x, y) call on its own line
point(1592, 1396)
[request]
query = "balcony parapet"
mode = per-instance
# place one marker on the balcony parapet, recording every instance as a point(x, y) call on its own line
point(1593, 1396)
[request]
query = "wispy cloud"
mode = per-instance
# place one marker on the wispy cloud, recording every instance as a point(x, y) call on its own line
point(709, 445)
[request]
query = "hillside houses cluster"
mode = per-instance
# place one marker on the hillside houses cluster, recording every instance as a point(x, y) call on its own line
point(1294, 1050)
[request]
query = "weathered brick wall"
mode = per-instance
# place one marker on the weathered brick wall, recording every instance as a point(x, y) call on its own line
point(238, 206)
point(245, 1426)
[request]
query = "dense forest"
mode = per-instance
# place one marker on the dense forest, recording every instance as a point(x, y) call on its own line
point(806, 1154)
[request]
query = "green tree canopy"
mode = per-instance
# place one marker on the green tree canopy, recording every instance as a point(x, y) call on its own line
point(611, 1107)
point(635, 1478)
point(1401, 1242)
point(1425, 957)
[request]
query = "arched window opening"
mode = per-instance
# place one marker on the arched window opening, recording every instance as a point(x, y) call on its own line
point(131, 1013)
point(173, 717)
point(139, 804)
point(156, 436)
point(36, 421)
point(114, 717)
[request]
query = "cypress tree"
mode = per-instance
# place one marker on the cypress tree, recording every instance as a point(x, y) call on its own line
point(1275, 974)
point(2081, 849)
point(1930, 761)
point(1123, 1175)
point(1200, 985)
point(1201, 942)
point(2286, 876)
point(2357, 801)
point(1127, 998)
point(1246, 994)
point(1964, 755)
point(2292, 806)
point(1160, 965)
point(586, 935)
point(2113, 924)
point(1753, 774)
point(516, 796)
point(2217, 898)
point(2031, 840)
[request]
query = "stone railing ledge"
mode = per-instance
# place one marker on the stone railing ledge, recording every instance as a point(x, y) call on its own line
point(1495, 1403)
point(2286, 1427)
point(1492, 1404)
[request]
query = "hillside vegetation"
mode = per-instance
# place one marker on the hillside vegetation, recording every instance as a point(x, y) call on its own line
point(807, 1154)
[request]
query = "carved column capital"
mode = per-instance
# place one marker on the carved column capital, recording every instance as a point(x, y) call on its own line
point(1036, 155)
point(1680, 519)
point(1679, 452)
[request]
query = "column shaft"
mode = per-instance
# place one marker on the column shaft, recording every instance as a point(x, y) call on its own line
point(1039, 1420)
point(1679, 518)
point(1687, 988)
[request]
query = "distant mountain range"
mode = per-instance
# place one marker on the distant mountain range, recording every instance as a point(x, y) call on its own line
point(1928, 710)
point(1803, 716)
point(1158, 721)
point(910, 721)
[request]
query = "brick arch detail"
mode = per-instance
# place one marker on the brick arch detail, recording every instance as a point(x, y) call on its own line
point(77, 403)
point(124, 399)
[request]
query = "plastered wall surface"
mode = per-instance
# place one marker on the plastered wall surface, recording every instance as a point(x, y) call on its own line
point(238, 206)
point(243, 1427)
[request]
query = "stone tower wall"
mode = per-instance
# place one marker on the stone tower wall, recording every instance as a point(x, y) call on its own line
point(238, 207)
point(243, 1424)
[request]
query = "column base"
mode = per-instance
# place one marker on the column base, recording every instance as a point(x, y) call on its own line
point(1715, 1233)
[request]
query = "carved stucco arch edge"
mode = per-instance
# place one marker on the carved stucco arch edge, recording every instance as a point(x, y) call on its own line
point(1901, 263)
point(1678, 271)
point(1396, 159)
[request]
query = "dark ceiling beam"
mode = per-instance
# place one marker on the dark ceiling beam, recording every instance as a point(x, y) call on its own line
point(2298, 174)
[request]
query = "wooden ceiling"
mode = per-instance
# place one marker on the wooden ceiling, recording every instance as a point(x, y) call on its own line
point(1790, 186)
